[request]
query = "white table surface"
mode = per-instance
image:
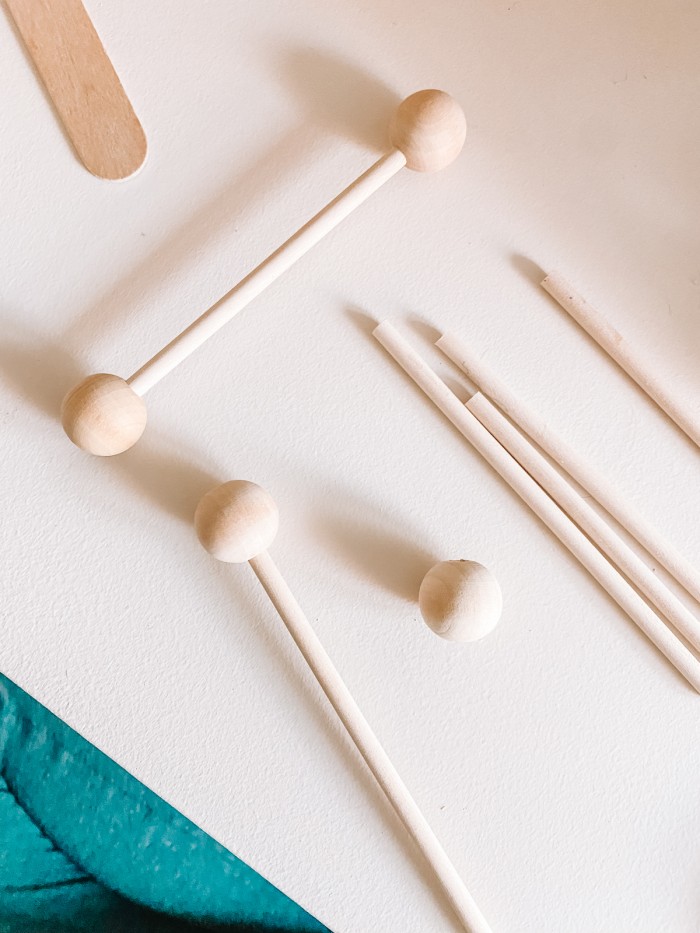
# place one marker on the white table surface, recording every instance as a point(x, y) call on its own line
point(559, 759)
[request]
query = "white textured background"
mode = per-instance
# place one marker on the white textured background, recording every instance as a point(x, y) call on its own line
point(559, 760)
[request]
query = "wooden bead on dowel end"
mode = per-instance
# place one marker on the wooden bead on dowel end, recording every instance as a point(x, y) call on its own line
point(236, 522)
point(427, 134)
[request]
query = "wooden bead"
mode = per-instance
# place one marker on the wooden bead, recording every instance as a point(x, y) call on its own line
point(103, 415)
point(429, 129)
point(236, 521)
point(460, 600)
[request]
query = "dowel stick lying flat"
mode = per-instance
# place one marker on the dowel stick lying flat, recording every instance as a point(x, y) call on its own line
point(83, 85)
point(586, 476)
point(106, 415)
point(541, 504)
point(624, 355)
point(237, 522)
point(266, 273)
point(588, 520)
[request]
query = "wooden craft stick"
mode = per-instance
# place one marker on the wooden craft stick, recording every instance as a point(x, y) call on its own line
point(624, 355)
point(106, 415)
point(83, 85)
point(541, 504)
point(237, 522)
point(595, 484)
point(588, 520)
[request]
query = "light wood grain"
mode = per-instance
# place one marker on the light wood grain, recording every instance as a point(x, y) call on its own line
point(103, 415)
point(460, 600)
point(590, 479)
point(83, 85)
point(236, 522)
point(541, 504)
point(624, 354)
point(588, 520)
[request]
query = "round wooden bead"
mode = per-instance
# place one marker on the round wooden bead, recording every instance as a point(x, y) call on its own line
point(460, 600)
point(103, 415)
point(236, 521)
point(429, 128)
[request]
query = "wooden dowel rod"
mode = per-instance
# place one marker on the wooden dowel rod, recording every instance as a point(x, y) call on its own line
point(541, 504)
point(588, 520)
point(595, 484)
point(106, 415)
point(367, 743)
point(626, 356)
point(266, 273)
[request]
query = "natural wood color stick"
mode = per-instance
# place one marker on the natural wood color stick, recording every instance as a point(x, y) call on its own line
point(83, 85)
point(266, 273)
point(588, 520)
point(627, 357)
point(541, 504)
point(427, 134)
point(367, 744)
point(661, 550)
point(236, 522)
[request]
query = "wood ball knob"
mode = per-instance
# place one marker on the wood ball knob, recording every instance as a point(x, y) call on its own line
point(103, 415)
point(236, 521)
point(430, 129)
point(460, 600)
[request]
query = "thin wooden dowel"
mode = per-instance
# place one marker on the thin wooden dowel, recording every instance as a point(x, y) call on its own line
point(367, 743)
point(266, 273)
point(541, 504)
point(588, 520)
point(595, 484)
point(626, 356)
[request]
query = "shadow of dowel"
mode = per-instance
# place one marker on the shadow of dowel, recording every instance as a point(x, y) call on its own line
point(528, 269)
point(337, 94)
point(36, 369)
point(376, 551)
point(162, 472)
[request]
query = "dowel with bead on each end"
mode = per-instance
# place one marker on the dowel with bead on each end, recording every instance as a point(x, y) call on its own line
point(427, 134)
point(236, 522)
point(541, 504)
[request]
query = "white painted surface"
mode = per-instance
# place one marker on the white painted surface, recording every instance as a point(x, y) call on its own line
point(558, 760)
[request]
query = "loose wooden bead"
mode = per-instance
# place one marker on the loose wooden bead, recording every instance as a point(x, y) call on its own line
point(236, 521)
point(460, 600)
point(429, 129)
point(103, 415)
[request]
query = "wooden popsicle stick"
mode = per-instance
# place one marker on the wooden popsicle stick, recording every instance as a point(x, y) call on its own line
point(236, 522)
point(83, 85)
point(541, 504)
point(566, 457)
point(427, 134)
point(588, 520)
point(620, 350)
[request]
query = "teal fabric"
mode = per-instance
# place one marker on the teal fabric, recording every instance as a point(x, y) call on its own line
point(83, 843)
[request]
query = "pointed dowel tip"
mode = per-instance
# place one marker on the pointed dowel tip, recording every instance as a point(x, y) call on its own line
point(103, 415)
point(236, 521)
point(429, 129)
